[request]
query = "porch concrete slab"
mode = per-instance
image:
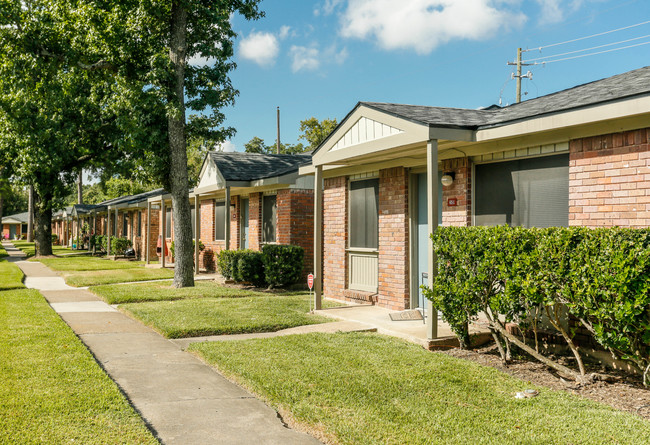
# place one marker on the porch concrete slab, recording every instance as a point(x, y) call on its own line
point(328, 328)
point(414, 331)
point(64, 296)
point(82, 306)
point(103, 323)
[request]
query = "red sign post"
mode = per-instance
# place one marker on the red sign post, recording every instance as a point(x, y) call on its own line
point(310, 283)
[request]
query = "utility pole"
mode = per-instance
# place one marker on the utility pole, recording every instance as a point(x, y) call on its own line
point(519, 76)
point(278, 141)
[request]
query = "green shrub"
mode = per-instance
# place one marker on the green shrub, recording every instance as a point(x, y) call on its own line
point(119, 245)
point(229, 264)
point(283, 264)
point(225, 263)
point(250, 267)
point(600, 276)
point(201, 247)
point(55, 238)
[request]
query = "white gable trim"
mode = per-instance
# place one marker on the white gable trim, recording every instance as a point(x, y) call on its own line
point(395, 132)
point(365, 130)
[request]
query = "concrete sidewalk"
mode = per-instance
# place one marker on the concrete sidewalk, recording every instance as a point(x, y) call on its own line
point(183, 400)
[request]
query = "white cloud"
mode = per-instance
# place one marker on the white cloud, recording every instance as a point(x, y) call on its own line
point(260, 47)
point(422, 25)
point(551, 11)
point(304, 58)
point(225, 146)
point(285, 31)
point(327, 8)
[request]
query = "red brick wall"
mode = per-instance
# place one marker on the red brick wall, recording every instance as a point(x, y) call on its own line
point(393, 285)
point(295, 223)
point(335, 201)
point(461, 190)
point(609, 180)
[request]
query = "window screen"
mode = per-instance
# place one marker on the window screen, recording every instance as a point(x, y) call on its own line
point(220, 220)
point(364, 214)
point(139, 223)
point(525, 192)
point(269, 218)
point(125, 225)
point(168, 223)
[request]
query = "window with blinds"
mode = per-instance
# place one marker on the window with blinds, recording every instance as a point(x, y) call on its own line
point(530, 192)
point(220, 221)
point(364, 214)
point(269, 218)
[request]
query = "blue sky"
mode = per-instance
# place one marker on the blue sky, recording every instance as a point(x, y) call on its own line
point(319, 58)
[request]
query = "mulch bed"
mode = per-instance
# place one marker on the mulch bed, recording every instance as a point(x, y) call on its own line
point(624, 392)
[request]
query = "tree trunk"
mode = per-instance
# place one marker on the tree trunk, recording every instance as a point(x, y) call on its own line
point(30, 215)
point(80, 189)
point(43, 229)
point(178, 181)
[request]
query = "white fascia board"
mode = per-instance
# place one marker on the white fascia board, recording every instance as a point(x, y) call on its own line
point(583, 116)
point(307, 170)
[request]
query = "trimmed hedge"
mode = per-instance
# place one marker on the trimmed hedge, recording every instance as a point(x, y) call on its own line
point(283, 264)
point(118, 245)
point(276, 266)
point(600, 276)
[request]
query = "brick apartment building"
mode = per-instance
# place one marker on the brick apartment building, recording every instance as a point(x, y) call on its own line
point(390, 173)
point(246, 200)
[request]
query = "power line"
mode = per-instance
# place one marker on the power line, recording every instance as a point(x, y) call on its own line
point(587, 49)
point(590, 54)
point(587, 37)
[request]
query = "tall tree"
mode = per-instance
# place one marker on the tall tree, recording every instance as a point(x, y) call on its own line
point(257, 145)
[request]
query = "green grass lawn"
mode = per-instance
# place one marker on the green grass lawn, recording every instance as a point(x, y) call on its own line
point(84, 263)
point(369, 389)
point(133, 293)
point(11, 277)
point(52, 390)
point(218, 316)
point(29, 249)
point(97, 277)
point(3, 252)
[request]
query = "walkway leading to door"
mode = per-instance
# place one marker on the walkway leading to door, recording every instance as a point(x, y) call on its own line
point(182, 399)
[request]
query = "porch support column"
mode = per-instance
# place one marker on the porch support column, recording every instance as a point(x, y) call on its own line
point(117, 222)
point(163, 245)
point(108, 231)
point(318, 237)
point(228, 216)
point(148, 236)
point(197, 231)
point(432, 201)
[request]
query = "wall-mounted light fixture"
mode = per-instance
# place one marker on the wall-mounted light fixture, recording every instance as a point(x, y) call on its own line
point(448, 178)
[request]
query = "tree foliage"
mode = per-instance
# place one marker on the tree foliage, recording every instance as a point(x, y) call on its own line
point(315, 131)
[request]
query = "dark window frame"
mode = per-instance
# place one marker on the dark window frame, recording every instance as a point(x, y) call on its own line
point(269, 234)
point(362, 236)
point(220, 223)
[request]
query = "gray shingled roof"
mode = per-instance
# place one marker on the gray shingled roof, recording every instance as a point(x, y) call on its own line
point(236, 166)
point(131, 199)
point(22, 217)
point(632, 83)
